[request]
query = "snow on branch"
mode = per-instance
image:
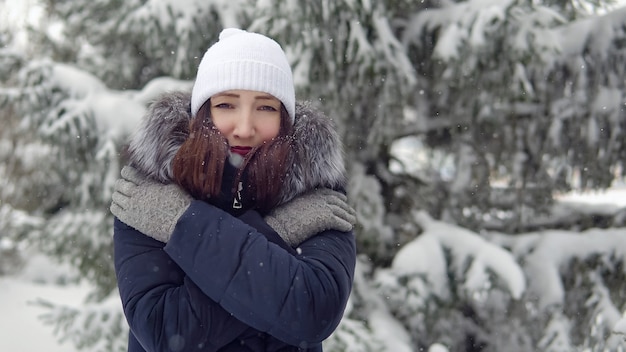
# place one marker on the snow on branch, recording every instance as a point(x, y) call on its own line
point(620, 327)
point(426, 255)
point(96, 327)
point(472, 24)
point(555, 250)
point(594, 34)
point(116, 112)
point(15, 218)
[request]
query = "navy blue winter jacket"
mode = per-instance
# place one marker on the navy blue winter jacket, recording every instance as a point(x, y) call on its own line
point(223, 283)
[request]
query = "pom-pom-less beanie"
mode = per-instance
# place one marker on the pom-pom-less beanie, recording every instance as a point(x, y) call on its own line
point(247, 61)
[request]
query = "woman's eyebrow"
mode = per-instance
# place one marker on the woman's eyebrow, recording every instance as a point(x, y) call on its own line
point(227, 95)
point(265, 97)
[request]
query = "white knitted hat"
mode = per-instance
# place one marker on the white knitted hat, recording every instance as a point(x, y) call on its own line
point(248, 61)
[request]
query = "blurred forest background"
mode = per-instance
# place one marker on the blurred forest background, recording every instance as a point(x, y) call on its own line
point(463, 122)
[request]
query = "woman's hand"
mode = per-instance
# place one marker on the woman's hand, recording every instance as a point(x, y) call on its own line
point(149, 206)
point(309, 214)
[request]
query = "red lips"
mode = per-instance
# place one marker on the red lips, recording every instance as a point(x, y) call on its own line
point(240, 150)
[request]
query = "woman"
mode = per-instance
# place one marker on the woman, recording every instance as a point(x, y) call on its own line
point(232, 232)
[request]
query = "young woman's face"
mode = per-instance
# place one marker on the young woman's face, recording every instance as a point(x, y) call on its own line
point(246, 118)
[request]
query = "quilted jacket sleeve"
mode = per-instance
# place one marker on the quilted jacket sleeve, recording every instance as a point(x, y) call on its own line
point(298, 299)
point(164, 308)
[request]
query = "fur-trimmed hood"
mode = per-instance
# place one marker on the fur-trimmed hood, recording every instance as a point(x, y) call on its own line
point(316, 156)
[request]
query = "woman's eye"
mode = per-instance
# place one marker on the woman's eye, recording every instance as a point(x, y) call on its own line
point(223, 106)
point(268, 108)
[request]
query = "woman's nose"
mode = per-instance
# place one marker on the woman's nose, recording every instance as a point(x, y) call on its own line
point(244, 127)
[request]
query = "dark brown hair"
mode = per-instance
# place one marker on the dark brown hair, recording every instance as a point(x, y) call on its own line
point(198, 165)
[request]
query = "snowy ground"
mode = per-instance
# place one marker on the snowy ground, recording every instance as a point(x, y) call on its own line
point(20, 328)
point(21, 331)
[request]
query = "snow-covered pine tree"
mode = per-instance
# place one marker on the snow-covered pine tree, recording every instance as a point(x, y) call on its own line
point(538, 131)
point(128, 43)
point(530, 91)
point(59, 172)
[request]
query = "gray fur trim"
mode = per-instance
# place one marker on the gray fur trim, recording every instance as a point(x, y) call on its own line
point(161, 132)
point(317, 154)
